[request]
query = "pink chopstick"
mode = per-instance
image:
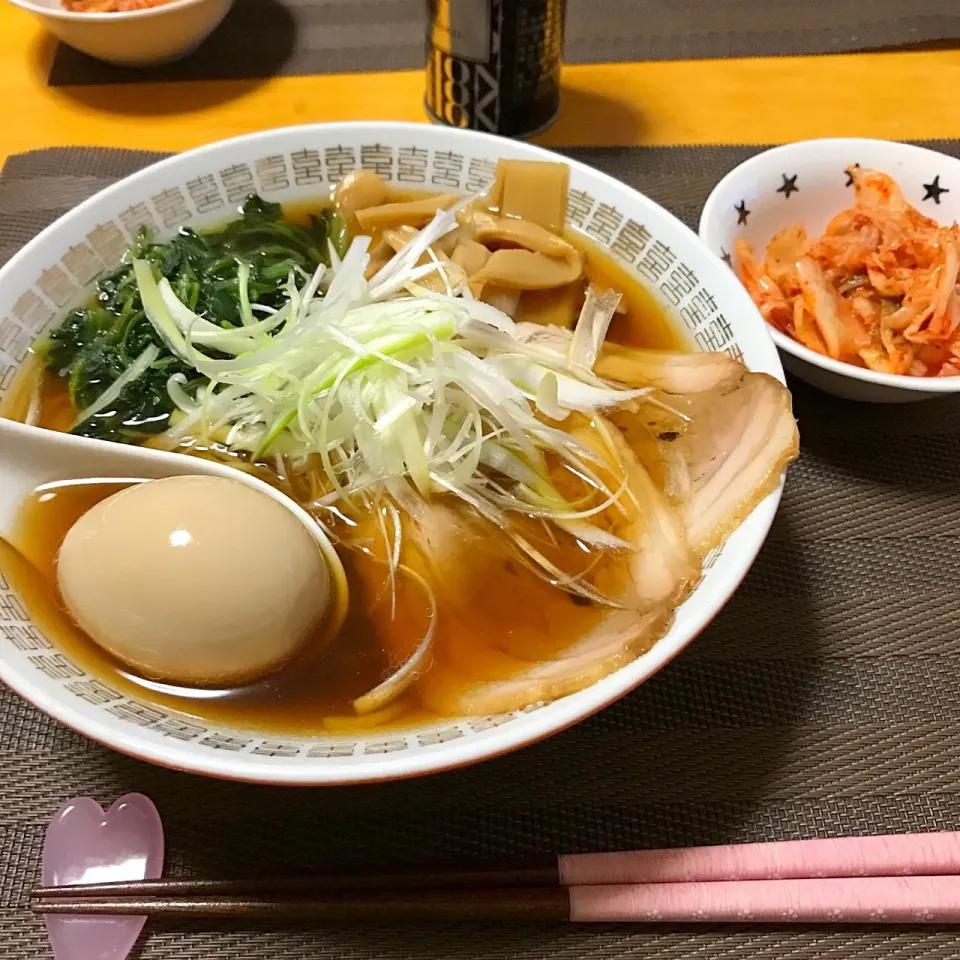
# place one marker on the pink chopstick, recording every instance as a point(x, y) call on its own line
point(834, 900)
point(911, 854)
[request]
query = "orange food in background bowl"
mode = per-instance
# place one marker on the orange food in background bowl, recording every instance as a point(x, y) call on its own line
point(878, 289)
point(111, 6)
point(849, 248)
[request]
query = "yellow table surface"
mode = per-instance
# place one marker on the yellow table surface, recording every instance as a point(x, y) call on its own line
point(909, 95)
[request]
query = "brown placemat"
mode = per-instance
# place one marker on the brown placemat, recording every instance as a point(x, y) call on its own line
point(823, 701)
point(261, 38)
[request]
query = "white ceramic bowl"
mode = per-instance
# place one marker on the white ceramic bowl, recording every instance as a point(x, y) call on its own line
point(805, 183)
point(201, 187)
point(138, 38)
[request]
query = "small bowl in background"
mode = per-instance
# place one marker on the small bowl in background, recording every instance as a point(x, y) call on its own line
point(806, 183)
point(136, 38)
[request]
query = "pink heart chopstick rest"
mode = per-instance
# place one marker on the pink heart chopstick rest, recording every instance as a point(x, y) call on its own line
point(85, 845)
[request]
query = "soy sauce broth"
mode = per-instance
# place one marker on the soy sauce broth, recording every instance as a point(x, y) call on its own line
point(313, 693)
point(296, 698)
point(522, 620)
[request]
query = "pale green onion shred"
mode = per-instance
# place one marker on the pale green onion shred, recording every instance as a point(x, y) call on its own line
point(136, 370)
point(415, 665)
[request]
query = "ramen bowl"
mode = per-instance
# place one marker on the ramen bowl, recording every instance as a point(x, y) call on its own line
point(806, 183)
point(201, 188)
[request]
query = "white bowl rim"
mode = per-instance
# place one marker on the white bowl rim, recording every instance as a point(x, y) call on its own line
point(896, 380)
point(61, 13)
point(538, 725)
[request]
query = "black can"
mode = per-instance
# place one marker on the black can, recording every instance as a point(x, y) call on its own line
point(494, 65)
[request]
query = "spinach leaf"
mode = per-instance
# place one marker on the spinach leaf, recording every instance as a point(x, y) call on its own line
point(257, 210)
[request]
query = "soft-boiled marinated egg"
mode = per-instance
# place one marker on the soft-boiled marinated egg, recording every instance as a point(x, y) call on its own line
point(201, 580)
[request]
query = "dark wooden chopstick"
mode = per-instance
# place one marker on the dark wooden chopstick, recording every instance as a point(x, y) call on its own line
point(513, 903)
point(532, 873)
point(898, 899)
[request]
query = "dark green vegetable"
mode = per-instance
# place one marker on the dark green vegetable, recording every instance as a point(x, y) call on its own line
point(94, 345)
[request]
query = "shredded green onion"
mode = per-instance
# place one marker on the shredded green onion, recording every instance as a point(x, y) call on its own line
point(399, 390)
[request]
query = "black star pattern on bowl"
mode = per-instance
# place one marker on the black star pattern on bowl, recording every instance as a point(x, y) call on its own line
point(933, 190)
point(789, 185)
point(742, 212)
point(725, 257)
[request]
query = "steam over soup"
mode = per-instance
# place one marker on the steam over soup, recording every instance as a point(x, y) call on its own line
point(520, 461)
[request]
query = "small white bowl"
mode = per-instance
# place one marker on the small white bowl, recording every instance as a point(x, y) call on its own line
point(138, 38)
point(805, 183)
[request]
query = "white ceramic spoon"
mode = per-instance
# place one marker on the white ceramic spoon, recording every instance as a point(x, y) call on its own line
point(31, 457)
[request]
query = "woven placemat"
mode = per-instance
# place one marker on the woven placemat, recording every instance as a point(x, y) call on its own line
point(823, 701)
point(261, 38)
